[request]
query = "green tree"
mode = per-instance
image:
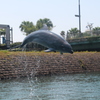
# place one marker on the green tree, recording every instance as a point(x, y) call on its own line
point(46, 21)
point(2, 32)
point(62, 34)
point(96, 31)
point(96, 28)
point(27, 27)
point(90, 26)
point(73, 32)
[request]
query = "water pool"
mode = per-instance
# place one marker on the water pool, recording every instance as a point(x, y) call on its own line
point(55, 87)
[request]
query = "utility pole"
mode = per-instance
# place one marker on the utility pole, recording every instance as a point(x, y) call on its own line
point(79, 15)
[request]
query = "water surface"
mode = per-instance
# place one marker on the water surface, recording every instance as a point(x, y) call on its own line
point(54, 87)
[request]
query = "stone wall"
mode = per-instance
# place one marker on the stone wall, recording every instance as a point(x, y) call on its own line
point(13, 65)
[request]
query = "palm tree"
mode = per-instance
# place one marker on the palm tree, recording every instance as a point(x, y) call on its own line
point(27, 27)
point(2, 32)
point(62, 34)
point(46, 21)
point(73, 32)
point(96, 31)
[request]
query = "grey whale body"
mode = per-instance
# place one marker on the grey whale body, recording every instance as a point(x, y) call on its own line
point(48, 39)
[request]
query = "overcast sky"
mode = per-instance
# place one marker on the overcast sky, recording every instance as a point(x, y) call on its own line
point(60, 12)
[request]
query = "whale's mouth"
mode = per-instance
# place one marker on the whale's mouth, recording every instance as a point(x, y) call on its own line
point(72, 52)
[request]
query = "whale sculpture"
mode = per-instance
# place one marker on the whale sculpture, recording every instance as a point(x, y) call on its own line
point(48, 39)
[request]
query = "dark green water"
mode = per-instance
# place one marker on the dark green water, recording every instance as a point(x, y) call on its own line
point(55, 87)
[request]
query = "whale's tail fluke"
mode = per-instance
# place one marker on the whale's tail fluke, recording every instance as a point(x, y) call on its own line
point(18, 46)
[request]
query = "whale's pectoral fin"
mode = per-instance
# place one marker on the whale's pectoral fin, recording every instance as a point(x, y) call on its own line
point(50, 50)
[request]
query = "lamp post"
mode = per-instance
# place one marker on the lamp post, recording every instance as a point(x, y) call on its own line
point(79, 15)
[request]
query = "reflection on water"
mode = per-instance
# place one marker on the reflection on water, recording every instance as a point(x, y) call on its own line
point(55, 87)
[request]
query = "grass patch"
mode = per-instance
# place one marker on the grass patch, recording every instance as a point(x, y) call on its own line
point(4, 51)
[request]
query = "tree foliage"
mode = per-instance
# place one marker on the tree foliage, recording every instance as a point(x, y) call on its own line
point(46, 21)
point(27, 27)
point(2, 32)
point(72, 33)
point(96, 31)
point(62, 34)
point(89, 26)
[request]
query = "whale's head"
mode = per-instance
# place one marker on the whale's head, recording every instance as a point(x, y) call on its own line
point(66, 48)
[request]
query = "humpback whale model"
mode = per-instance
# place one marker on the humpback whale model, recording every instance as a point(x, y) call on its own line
point(48, 39)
